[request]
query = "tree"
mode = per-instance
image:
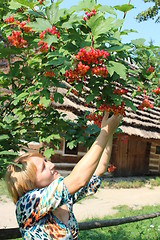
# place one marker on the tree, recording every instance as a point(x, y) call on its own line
point(46, 46)
point(150, 13)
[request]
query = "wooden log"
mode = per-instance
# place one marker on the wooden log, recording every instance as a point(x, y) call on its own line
point(10, 233)
point(115, 222)
point(13, 233)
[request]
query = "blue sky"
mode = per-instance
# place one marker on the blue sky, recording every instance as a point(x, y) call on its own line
point(147, 30)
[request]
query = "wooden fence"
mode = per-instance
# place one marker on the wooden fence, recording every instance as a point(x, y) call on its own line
point(13, 233)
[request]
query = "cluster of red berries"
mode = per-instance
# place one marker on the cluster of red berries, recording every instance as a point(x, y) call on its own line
point(111, 168)
point(99, 71)
point(51, 98)
point(92, 56)
point(156, 91)
point(120, 91)
point(96, 118)
point(43, 45)
point(49, 74)
point(40, 106)
point(17, 40)
point(29, 104)
point(145, 104)
point(11, 19)
point(40, 1)
point(88, 15)
point(75, 92)
point(22, 25)
point(138, 89)
point(124, 139)
point(120, 109)
point(77, 73)
point(150, 70)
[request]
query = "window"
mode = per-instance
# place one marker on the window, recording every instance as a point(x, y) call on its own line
point(68, 151)
point(157, 149)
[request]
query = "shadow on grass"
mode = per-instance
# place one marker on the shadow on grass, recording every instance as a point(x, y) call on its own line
point(106, 233)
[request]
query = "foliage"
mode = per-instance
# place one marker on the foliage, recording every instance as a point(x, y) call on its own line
point(150, 13)
point(47, 46)
point(143, 230)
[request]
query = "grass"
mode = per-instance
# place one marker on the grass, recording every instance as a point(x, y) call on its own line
point(142, 230)
point(131, 182)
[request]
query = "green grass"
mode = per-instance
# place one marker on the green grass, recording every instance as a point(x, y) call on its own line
point(131, 182)
point(142, 230)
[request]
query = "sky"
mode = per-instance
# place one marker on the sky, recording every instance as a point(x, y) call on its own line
point(148, 30)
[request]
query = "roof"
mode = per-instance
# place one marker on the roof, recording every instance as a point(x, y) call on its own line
point(145, 124)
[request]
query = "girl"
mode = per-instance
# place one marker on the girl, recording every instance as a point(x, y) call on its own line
point(44, 199)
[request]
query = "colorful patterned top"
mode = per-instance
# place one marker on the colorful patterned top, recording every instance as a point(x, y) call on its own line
point(35, 211)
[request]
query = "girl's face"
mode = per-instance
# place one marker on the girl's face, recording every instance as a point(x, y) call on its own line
point(45, 173)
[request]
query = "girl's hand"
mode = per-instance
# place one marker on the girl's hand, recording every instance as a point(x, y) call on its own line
point(110, 124)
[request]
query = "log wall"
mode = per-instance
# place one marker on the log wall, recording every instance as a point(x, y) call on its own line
point(154, 160)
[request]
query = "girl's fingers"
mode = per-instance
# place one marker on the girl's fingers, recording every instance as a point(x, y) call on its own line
point(106, 114)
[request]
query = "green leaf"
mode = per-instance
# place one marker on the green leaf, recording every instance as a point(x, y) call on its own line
point(45, 102)
point(8, 119)
point(48, 152)
point(52, 137)
point(4, 52)
point(86, 4)
point(89, 98)
point(119, 68)
point(58, 97)
point(119, 48)
point(8, 153)
point(117, 24)
point(49, 39)
point(25, 3)
point(95, 20)
point(124, 8)
point(107, 9)
point(103, 27)
point(72, 144)
point(130, 104)
point(40, 24)
point(56, 62)
point(36, 120)
point(69, 23)
point(4, 137)
point(54, 13)
point(138, 42)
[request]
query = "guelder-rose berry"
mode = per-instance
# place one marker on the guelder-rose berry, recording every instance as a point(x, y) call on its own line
point(156, 91)
point(89, 14)
point(150, 69)
point(120, 91)
point(99, 71)
point(92, 56)
point(49, 74)
point(17, 40)
point(145, 104)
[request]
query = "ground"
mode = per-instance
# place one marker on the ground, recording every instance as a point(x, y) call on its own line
point(100, 205)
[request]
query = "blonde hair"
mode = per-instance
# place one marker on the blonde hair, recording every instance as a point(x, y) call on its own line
point(20, 176)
